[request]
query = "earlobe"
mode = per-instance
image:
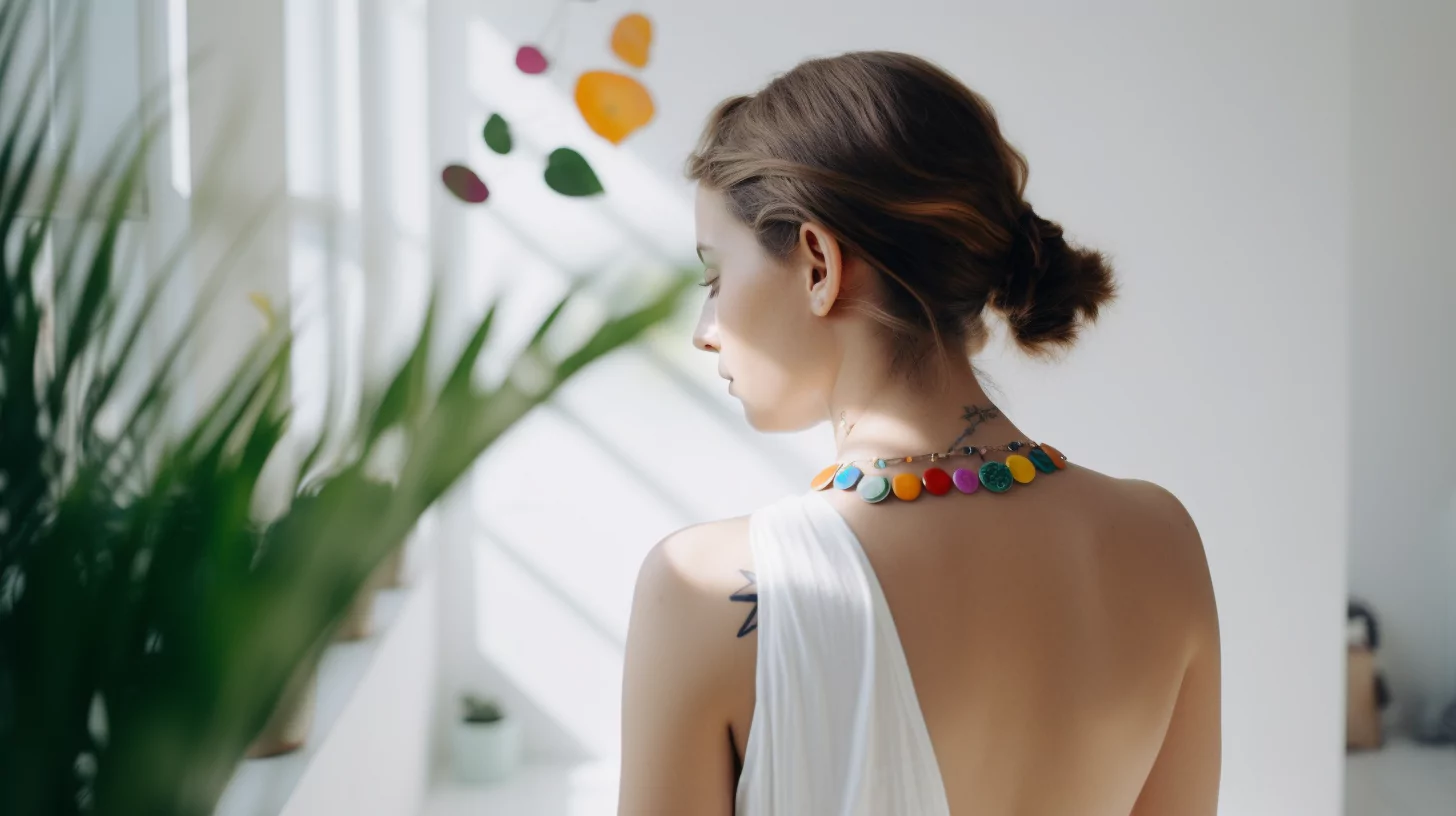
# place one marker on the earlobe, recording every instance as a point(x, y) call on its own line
point(825, 265)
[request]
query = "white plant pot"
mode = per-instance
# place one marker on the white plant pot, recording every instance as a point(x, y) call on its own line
point(486, 752)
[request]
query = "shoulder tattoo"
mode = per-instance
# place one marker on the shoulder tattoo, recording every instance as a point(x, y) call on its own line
point(748, 594)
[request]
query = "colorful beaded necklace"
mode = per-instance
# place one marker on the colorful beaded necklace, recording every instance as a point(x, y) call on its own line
point(994, 476)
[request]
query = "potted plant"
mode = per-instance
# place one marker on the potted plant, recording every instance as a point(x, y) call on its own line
point(137, 589)
point(358, 620)
point(487, 743)
point(288, 726)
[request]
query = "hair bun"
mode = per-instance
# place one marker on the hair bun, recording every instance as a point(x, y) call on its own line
point(1051, 288)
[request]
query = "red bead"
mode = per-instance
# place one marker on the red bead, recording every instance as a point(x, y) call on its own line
point(937, 481)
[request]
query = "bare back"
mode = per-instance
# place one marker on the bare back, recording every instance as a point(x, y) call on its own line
point(1048, 632)
point(1062, 642)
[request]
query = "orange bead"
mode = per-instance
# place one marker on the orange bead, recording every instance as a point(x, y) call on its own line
point(1057, 458)
point(906, 486)
point(631, 40)
point(824, 478)
point(612, 104)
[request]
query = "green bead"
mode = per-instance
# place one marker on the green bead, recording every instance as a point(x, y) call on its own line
point(874, 489)
point(996, 477)
point(1042, 460)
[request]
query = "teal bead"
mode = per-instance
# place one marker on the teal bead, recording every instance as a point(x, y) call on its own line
point(848, 477)
point(880, 463)
point(1042, 460)
point(874, 489)
point(996, 477)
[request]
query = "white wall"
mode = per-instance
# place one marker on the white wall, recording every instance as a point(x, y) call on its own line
point(1206, 146)
point(1403, 494)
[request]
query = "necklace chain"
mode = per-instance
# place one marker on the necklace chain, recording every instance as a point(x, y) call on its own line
point(882, 462)
point(974, 415)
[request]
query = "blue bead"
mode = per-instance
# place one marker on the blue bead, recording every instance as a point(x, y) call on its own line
point(848, 477)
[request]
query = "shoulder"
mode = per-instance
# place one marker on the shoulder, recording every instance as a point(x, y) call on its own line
point(694, 607)
point(1170, 539)
point(1159, 506)
point(686, 672)
point(694, 564)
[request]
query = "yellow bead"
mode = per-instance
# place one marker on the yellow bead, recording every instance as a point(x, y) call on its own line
point(1022, 470)
point(907, 486)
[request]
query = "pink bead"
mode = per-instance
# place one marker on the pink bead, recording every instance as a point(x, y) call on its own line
point(965, 481)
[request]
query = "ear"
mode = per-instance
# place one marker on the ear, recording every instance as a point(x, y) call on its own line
point(824, 266)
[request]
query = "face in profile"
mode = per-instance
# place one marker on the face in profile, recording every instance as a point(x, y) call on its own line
point(763, 317)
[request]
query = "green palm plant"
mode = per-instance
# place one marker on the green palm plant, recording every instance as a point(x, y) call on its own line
point(148, 624)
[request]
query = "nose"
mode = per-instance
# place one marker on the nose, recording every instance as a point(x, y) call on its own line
point(705, 336)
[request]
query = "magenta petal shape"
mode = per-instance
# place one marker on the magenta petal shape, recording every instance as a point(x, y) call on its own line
point(530, 60)
point(464, 184)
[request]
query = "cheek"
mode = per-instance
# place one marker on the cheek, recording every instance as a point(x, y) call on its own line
point(777, 353)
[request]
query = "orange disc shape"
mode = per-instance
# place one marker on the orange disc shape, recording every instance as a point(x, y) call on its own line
point(632, 40)
point(824, 478)
point(612, 104)
point(1057, 458)
point(906, 486)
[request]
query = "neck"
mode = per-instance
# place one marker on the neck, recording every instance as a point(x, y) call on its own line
point(887, 416)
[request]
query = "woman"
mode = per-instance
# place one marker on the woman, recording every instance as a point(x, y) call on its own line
point(985, 628)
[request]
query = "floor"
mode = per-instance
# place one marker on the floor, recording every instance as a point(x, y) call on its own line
point(1401, 779)
point(538, 790)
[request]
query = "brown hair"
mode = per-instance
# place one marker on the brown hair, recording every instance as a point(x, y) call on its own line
point(909, 170)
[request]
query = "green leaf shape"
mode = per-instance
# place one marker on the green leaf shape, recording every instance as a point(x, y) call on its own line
point(569, 174)
point(498, 134)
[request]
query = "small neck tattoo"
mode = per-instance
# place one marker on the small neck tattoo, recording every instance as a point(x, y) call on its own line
point(975, 415)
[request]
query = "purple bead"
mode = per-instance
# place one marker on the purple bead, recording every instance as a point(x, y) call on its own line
point(965, 481)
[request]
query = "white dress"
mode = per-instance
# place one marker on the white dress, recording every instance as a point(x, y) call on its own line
point(837, 729)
